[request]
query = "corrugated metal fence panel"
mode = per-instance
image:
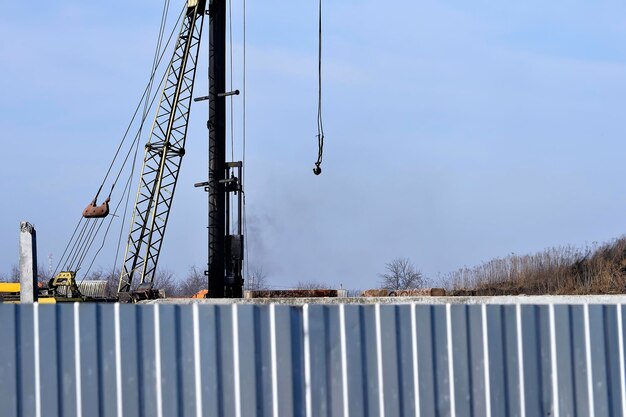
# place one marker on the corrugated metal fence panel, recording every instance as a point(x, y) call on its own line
point(313, 360)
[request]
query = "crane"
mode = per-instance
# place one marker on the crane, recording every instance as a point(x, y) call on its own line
point(163, 154)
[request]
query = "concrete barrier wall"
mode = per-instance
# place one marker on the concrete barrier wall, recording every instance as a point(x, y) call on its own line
point(313, 360)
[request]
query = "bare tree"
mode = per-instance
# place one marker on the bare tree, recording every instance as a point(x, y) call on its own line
point(256, 279)
point(193, 282)
point(164, 280)
point(43, 275)
point(113, 280)
point(14, 276)
point(401, 275)
point(311, 285)
point(96, 275)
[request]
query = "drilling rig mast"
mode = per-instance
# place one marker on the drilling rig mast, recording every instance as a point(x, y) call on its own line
point(225, 250)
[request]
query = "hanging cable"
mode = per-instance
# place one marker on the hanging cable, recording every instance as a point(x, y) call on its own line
point(144, 95)
point(230, 56)
point(144, 98)
point(148, 105)
point(86, 232)
point(126, 204)
point(75, 246)
point(320, 127)
point(95, 228)
point(60, 262)
point(243, 128)
point(127, 192)
point(156, 60)
point(232, 121)
point(85, 241)
point(126, 188)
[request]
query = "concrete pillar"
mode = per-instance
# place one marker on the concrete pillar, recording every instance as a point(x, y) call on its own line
point(28, 263)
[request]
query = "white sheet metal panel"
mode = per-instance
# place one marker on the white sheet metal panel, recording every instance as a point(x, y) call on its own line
point(314, 360)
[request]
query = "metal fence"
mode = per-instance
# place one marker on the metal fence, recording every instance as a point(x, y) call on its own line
point(313, 360)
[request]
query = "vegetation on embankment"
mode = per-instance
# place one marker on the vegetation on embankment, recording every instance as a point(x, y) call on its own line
point(595, 269)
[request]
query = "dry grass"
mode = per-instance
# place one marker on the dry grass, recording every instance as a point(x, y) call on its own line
point(596, 269)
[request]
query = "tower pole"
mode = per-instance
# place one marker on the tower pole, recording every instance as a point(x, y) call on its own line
point(217, 147)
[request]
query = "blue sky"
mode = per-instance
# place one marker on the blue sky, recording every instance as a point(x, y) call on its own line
point(455, 132)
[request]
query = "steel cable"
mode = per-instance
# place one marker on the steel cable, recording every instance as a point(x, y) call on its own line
point(81, 244)
point(126, 187)
point(230, 98)
point(67, 246)
point(243, 128)
point(126, 204)
point(77, 245)
point(320, 126)
point(144, 99)
point(88, 242)
point(71, 253)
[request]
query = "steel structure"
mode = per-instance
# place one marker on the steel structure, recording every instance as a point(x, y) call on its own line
point(217, 147)
point(163, 155)
point(225, 254)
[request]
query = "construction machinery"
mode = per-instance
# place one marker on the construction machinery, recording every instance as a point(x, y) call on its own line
point(163, 154)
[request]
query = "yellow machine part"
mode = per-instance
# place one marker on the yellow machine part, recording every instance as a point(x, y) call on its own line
point(65, 275)
point(13, 287)
point(64, 279)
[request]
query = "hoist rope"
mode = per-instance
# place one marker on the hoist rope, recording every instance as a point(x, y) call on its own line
point(84, 241)
point(231, 102)
point(144, 96)
point(72, 252)
point(127, 187)
point(78, 253)
point(63, 257)
point(230, 58)
point(155, 62)
point(112, 217)
point(80, 244)
point(126, 205)
point(320, 126)
point(67, 246)
point(243, 134)
point(75, 266)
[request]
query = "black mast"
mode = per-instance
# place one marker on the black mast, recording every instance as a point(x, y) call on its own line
point(217, 146)
point(225, 250)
